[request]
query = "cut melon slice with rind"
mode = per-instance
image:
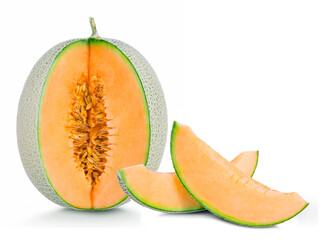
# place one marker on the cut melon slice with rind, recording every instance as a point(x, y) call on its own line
point(164, 192)
point(223, 189)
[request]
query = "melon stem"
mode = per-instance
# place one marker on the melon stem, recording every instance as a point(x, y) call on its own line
point(94, 33)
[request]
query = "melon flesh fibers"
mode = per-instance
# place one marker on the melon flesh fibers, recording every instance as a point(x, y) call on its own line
point(164, 192)
point(89, 107)
point(223, 189)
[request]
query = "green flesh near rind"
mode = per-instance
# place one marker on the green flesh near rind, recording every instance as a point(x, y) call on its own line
point(132, 193)
point(207, 205)
point(54, 64)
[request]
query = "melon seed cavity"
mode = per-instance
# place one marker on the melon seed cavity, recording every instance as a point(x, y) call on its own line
point(88, 127)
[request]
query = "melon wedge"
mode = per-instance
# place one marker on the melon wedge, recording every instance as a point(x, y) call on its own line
point(223, 189)
point(164, 192)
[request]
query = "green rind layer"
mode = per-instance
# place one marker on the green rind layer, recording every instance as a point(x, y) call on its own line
point(205, 204)
point(240, 222)
point(144, 202)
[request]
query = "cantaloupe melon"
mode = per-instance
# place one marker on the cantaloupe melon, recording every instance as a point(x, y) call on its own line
point(88, 108)
point(164, 192)
point(223, 189)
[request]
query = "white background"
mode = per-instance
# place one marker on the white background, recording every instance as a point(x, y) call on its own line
point(245, 75)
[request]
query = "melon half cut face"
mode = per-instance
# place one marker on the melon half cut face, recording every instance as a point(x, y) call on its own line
point(93, 121)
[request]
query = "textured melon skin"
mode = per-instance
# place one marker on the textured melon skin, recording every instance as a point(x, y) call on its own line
point(29, 109)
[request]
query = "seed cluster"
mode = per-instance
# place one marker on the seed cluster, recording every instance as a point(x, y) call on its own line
point(88, 127)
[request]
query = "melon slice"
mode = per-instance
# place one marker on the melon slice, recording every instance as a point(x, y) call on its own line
point(223, 189)
point(164, 192)
point(89, 107)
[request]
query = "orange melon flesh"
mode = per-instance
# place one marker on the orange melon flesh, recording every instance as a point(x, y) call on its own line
point(223, 189)
point(125, 106)
point(164, 192)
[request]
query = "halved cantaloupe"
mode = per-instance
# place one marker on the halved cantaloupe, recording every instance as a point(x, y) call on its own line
point(223, 189)
point(89, 107)
point(164, 192)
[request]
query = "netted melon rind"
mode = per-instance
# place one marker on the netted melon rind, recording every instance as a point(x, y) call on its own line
point(28, 111)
